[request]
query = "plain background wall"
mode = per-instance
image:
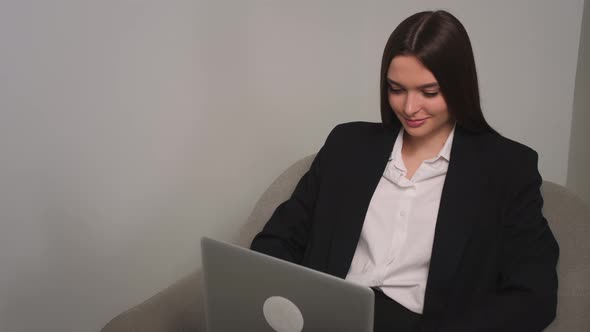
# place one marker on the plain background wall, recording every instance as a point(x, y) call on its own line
point(578, 178)
point(129, 129)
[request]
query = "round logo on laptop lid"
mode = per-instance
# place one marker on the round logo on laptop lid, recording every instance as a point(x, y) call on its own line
point(282, 315)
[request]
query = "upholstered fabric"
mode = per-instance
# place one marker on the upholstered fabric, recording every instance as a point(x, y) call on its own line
point(569, 219)
point(179, 307)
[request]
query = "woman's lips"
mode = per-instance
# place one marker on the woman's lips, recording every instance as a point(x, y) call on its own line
point(415, 123)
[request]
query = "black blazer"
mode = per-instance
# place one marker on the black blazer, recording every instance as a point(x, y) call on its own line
point(493, 264)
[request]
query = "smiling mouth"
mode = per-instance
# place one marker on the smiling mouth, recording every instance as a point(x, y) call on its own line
point(415, 123)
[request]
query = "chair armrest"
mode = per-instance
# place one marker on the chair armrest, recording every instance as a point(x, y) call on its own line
point(176, 308)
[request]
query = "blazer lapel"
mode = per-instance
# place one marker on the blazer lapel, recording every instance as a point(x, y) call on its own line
point(456, 215)
point(367, 171)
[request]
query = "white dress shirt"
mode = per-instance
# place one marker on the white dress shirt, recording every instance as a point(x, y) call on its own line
point(395, 246)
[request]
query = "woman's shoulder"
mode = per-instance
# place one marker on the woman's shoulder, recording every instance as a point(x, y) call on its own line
point(351, 140)
point(359, 127)
point(358, 131)
point(508, 158)
point(501, 147)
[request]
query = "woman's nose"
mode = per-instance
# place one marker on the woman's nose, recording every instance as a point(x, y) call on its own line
point(412, 105)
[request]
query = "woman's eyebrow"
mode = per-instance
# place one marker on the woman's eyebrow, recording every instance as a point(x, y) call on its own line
point(423, 86)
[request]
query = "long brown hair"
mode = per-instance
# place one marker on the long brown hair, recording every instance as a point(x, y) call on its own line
point(441, 43)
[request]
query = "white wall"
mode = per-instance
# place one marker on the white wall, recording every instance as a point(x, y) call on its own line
point(128, 129)
point(578, 178)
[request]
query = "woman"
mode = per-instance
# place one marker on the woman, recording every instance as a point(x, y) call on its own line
point(431, 208)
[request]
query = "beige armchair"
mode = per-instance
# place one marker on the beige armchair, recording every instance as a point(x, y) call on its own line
point(179, 307)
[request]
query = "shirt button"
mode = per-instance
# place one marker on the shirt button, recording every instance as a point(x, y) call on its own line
point(402, 213)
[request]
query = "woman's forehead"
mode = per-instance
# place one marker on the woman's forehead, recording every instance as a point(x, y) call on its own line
point(408, 71)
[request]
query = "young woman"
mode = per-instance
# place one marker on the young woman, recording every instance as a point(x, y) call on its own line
point(431, 208)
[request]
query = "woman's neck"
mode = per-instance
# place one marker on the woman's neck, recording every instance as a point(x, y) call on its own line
point(425, 147)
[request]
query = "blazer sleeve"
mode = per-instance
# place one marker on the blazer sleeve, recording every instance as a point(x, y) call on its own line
point(526, 298)
point(286, 233)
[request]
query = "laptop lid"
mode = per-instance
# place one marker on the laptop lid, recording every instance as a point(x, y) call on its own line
point(249, 291)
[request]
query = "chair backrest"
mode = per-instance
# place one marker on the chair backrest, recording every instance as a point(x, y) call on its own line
point(568, 216)
point(569, 219)
point(278, 192)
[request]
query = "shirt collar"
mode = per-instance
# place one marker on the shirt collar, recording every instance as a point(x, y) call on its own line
point(445, 152)
point(396, 154)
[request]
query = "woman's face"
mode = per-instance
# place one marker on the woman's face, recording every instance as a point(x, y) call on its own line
point(416, 100)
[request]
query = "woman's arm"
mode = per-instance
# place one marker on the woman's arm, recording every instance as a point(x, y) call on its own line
point(285, 235)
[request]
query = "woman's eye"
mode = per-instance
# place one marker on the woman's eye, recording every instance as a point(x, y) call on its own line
point(395, 90)
point(430, 94)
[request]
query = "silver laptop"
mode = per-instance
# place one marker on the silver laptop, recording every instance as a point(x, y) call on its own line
point(249, 291)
